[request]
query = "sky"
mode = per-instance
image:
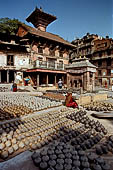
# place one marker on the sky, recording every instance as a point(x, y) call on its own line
point(74, 17)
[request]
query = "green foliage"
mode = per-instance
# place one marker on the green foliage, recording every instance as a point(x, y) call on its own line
point(9, 26)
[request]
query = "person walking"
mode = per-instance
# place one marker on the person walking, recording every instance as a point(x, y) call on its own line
point(60, 83)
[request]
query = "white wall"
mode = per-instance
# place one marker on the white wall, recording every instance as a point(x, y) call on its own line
point(21, 61)
point(3, 60)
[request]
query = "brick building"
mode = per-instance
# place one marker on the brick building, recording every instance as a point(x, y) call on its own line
point(84, 46)
point(13, 57)
point(45, 57)
point(35, 52)
point(99, 51)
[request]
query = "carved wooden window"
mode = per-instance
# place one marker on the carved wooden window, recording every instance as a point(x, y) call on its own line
point(100, 54)
point(60, 53)
point(10, 60)
point(99, 63)
point(109, 72)
point(40, 50)
point(52, 52)
point(108, 61)
point(108, 52)
point(100, 81)
point(105, 44)
point(99, 72)
point(61, 62)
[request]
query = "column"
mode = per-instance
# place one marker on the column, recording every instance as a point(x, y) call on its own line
point(55, 80)
point(93, 82)
point(55, 65)
point(14, 76)
point(88, 81)
point(37, 63)
point(85, 81)
point(47, 80)
point(7, 76)
point(47, 64)
point(37, 80)
point(68, 79)
point(22, 75)
point(63, 79)
point(72, 82)
point(63, 66)
point(82, 80)
point(0, 76)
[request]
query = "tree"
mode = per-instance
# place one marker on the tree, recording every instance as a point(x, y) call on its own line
point(9, 26)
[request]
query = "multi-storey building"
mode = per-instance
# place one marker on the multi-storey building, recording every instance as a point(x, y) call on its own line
point(84, 46)
point(13, 58)
point(45, 56)
point(103, 58)
point(35, 52)
point(100, 53)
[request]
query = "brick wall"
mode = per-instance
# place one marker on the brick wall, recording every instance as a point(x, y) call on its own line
point(91, 98)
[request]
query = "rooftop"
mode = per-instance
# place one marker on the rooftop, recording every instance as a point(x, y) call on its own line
point(46, 35)
point(81, 63)
point(40, 18)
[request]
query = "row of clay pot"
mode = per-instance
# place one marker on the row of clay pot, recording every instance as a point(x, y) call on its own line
point(99, 106)
point(13, 111)
point(32, 132)
point(61, 156)
point(81, 117)
point(35, 103)
point(42, 129)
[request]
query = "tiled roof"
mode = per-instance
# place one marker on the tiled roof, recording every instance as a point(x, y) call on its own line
point(40, 13)
point(46, 35)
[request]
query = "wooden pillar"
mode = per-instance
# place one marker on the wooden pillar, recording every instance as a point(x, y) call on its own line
point(0, 76)
point(72, 82)
point(63, 66)
point(93, 82)
point(14, 76)
point(63, 79)
point(56, 65)
point(22, 75)
point(85, 81)
point(47, 64)
point(7, 76)
point(82, 80)
point(88, 80)
point(47, 80)
point(68, 80)
point(38, 80)
point(55, 80)
point(82, 88)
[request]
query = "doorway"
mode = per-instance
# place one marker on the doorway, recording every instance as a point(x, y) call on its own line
point(11, 76)
point(3, 76)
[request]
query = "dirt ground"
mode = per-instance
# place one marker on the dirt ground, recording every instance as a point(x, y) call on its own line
point(107, 122)
point(57, 96)
point(22, 161)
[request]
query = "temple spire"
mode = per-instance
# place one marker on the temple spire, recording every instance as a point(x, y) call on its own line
point(40, 19)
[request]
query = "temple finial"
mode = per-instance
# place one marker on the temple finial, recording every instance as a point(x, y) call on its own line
point(36, 7)
point(41, 8)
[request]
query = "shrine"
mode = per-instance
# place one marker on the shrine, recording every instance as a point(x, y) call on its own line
point(81, 74)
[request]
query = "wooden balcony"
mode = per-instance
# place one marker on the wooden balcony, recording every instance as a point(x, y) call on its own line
point(48, 65)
